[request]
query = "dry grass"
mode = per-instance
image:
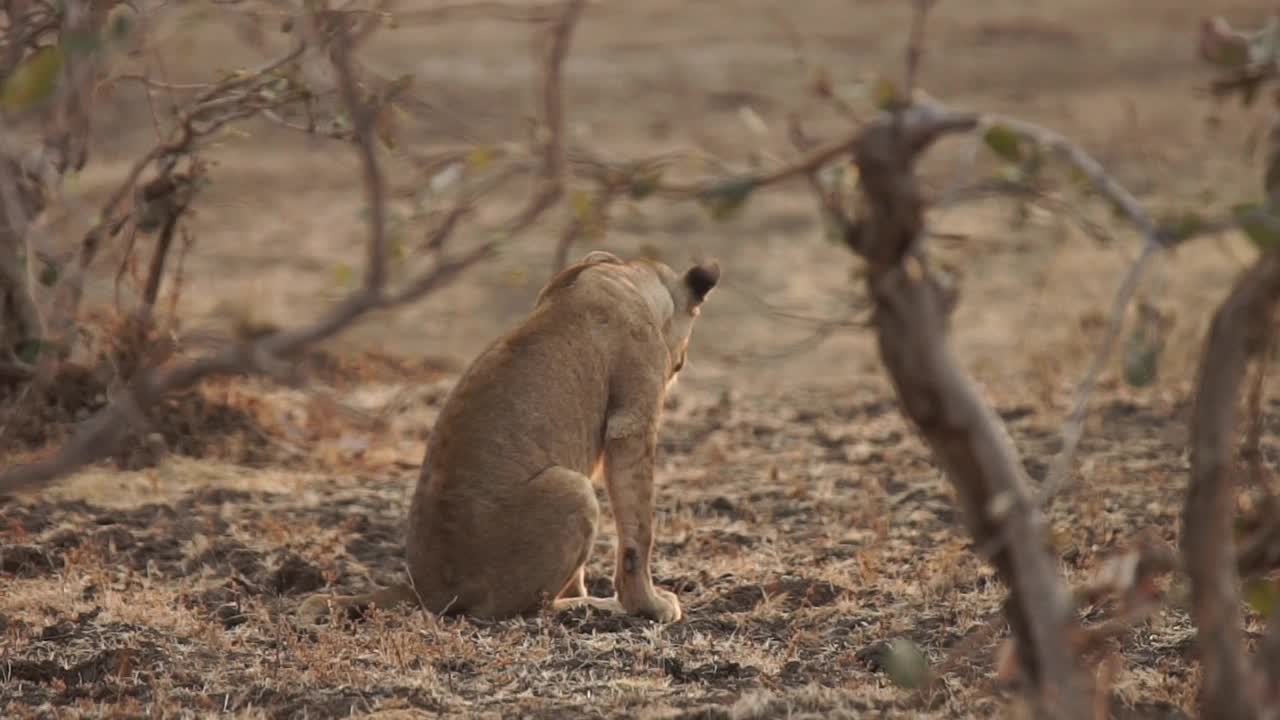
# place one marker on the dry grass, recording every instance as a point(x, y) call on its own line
point(800, 540)
point(803, 531)
point(800, 520)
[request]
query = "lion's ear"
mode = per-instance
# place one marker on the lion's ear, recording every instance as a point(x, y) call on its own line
point(702, 279)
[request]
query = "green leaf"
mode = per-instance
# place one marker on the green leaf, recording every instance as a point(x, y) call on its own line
point(1004, 142)
point(480, 157)
point(82, 42)
point(29, 351)
point(398, 86)
point(49, 274)
point(1263, 596)
point(1142, 351)
point(1271, 178)
point(582, 206)
point(1262, 227)
point(1229, 55)
point(835, 229)
point(1141, 364)
point(725, 199)
point(1249, 91)
point(1034, 163)
point(33, 80)
point(886, 94)
point(644, 184)
point(343, 275)
point(517, 277)
point(386, 123)
point(906, 664)
point(1080, 180)
point(120, 25)
point(1181, 226)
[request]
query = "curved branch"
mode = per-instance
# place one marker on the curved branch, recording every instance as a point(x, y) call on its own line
point(968, 440)
point(1238, 333)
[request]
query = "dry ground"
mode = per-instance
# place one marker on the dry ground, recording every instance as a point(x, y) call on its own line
point(801, 521)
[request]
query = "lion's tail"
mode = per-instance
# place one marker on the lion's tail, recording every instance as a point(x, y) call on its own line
point(318, 606)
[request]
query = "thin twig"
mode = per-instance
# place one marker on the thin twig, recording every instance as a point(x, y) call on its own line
point(915, 45)
point(374, 185)
point(595, 217)
point(1073, 429)
point(511, 12)
point(1154, 240)
point(175, 292)
point(176, 204)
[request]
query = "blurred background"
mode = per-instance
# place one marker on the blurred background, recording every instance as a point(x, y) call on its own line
point(280, 228)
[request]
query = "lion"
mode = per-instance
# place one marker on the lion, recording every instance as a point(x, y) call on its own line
point(504, 513)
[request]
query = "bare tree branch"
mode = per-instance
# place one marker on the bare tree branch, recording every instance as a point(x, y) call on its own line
point(1239, 331)
point(915, 45)
point(374, 185)
point(594, 217)
point(514, 12)
point(212, 104)
point(1153, 241)
point(553, 170)
point(100, 435)
point(174, 194)
point(19, 317)
point(912, 309)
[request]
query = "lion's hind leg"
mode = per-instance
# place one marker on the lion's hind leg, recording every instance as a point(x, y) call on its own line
point(543, 544)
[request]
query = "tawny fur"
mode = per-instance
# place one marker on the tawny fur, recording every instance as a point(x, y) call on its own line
point(504, 514)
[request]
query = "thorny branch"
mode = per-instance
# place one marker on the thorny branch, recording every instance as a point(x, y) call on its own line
point(101, 434)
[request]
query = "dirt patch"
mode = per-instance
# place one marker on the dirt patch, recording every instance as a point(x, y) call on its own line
point(820, 573)
point(791, 592)
point(340, 369)
point(189, 424)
